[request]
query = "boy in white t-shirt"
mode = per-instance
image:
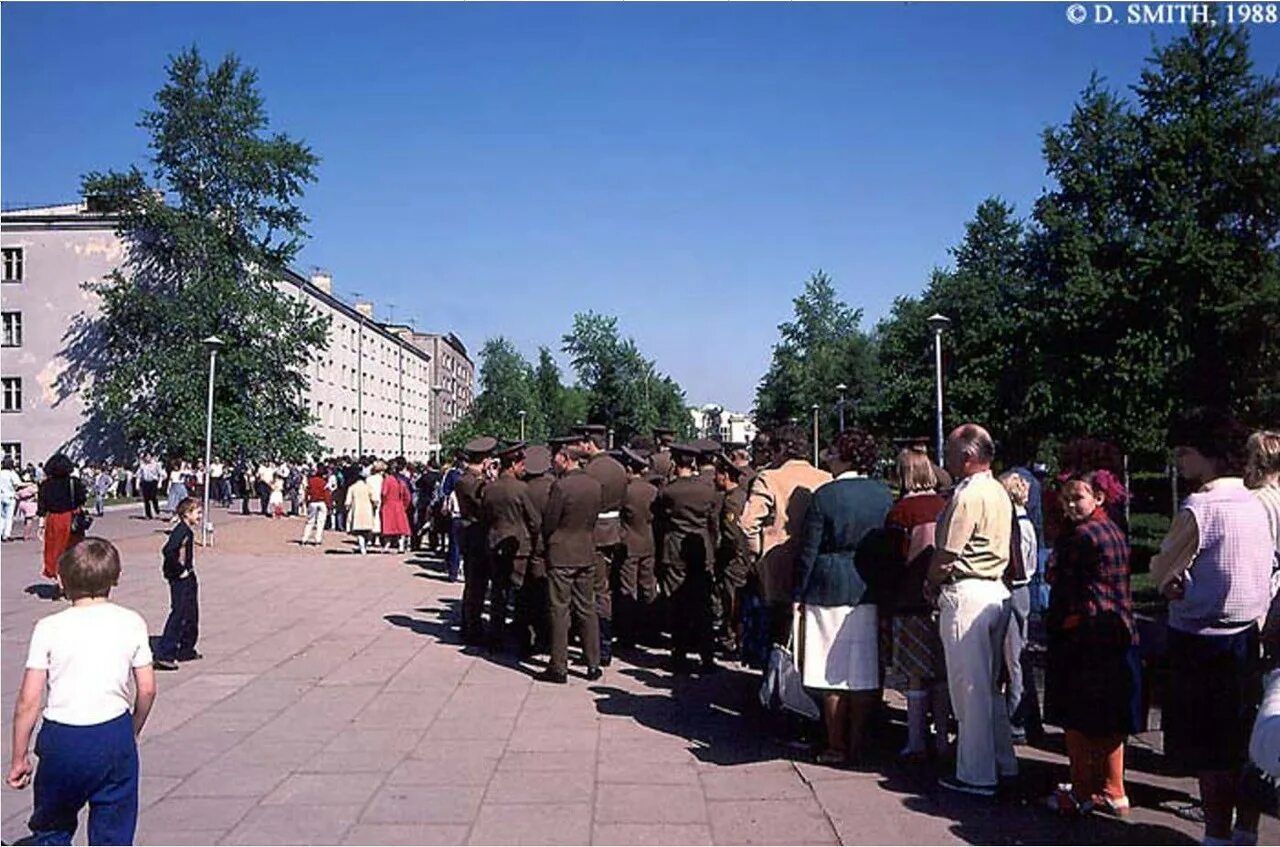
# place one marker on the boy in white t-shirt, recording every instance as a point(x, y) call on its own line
point(87, 746)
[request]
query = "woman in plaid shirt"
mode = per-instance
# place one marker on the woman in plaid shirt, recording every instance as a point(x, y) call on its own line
point(1091, 684)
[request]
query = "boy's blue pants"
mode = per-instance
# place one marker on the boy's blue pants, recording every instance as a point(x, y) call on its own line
point(95, 764)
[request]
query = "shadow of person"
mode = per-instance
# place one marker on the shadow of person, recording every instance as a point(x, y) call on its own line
point(44, 590)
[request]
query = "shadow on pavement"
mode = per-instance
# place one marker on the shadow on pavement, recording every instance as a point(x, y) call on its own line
point(44, 590)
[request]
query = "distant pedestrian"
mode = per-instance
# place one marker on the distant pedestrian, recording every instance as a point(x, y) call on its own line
point(61, 497)
point(177, 486)
point(1021, 709)
point(103, 480)
point(319, 499)
point(182, 629)
point(80, 663)
point(9, 483)
point(394, 512)
point(360, 513)
point(150, 474)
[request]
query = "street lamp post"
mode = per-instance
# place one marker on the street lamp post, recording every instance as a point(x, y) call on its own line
point(522, 413)
point(213, 344)
point(815, 435)
point(938, 323)
point(842, 388)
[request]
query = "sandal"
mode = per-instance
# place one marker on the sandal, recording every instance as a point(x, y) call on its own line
point(1065, 803)
point(1115, 806)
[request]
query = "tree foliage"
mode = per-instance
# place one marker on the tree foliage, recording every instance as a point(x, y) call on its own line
point(208, 233)
point(1146, 279)
point(822, 347)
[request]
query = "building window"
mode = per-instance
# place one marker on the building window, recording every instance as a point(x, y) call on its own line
point(12, 329)
point(13, 264)
point(12, 450)
point(12, 393)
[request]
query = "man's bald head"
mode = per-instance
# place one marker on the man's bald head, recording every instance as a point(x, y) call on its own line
point(970, 450)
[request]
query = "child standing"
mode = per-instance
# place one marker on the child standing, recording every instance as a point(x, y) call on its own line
point(1091, 684)
point(276, 499)
point(182, 629)
point(87, 746)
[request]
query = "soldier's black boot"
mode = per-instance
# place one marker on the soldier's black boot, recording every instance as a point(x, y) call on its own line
point(606, 642)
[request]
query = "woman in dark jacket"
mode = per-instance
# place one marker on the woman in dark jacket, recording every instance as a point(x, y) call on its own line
point(60, 497)
point(836, 587)
point(1092, 678)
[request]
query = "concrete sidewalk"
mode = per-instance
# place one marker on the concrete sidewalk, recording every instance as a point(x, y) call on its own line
point(336, 705)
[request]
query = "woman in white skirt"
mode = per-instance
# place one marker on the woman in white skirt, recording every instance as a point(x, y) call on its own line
point(837, 644)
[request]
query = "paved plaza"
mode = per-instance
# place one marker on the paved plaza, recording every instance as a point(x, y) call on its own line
point(335, 705)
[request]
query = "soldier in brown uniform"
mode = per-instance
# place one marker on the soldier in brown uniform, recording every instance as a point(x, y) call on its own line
point(475, 548)
point(637, 580)
point(611, 552)
point(660, 460)
point(569, 531)
point(685, 509)
point(531, 594)
point(512, 521)
point(733, 555)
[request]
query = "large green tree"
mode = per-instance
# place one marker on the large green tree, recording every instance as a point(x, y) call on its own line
point(823, 346)
point(209, 230)
point(624, 389)
point(987, 364)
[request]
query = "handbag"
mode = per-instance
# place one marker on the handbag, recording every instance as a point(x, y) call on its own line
point(80, 522)
point(783, 687)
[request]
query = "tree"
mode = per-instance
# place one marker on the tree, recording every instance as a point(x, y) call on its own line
point(822, 347)
point(562, 406)
point(507, 387)
point(208, 235)
point(986, 374)
point(624, 390)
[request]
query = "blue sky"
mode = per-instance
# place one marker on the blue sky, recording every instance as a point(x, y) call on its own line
point(491, 169)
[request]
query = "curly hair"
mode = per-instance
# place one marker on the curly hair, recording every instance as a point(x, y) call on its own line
point(857, 447)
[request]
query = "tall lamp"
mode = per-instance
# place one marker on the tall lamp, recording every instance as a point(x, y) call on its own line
point(939, 324)
point(213, 344)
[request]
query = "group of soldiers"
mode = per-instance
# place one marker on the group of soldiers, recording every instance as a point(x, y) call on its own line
point(627, 543)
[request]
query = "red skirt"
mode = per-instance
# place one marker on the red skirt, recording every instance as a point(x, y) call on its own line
point(57, 538)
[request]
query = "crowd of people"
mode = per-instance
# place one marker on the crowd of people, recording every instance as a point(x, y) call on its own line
point(844, 576)
point(932, 579)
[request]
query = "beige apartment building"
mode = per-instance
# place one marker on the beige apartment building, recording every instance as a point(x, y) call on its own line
point(375, 390)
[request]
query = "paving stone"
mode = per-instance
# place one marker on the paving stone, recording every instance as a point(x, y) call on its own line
point(769, 822)
point(647, 834)
point(558, 823)
point(402, 710)
point(471, 771)
point(406, 834)
point(222, 780)
point(564, 787)
point(415, 804)
point(470, 730)
point(523, 761)
point(770, 781)
point(632, 772)
point(546, 741)
point(446, 751)
point(353, 761)
point(178, 837)
point(322, 788)
point(189, 812)
point(655, 804)
point(294, 825)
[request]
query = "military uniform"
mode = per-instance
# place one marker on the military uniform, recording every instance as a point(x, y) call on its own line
point(610, 552)
point(569, 532)
point(475, 549)
point(660, 459)
point(685, 509)
point(733, 561)
point(531, 590)
point(511, 521)
point(637, 579)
